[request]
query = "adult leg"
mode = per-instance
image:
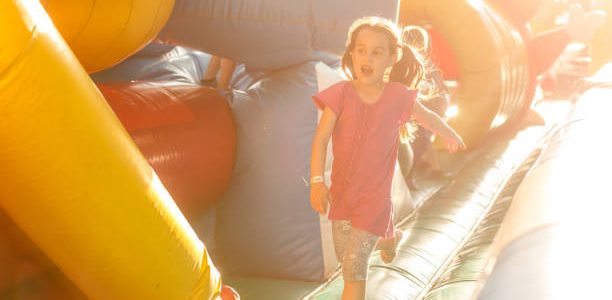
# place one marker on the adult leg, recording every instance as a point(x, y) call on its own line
point(212, 68)
point(225, 74)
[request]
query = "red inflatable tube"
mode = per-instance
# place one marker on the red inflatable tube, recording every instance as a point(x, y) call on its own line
point(443, 56)
point(186, 132)
point(518, 12)
point(543, 48)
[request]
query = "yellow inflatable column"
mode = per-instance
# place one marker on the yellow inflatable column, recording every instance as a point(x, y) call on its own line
point(74, 181)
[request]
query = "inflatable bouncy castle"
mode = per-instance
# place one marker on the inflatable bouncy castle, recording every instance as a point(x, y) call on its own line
point(75, 183)
point(126, 178)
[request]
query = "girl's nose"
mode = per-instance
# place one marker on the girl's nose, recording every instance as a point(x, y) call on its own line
point(370, 57)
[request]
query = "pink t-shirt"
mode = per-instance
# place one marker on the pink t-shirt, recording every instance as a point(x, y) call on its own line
point(365, 142)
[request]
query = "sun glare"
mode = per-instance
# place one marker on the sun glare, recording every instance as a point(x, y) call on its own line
point(38, 15)
point(452, 112)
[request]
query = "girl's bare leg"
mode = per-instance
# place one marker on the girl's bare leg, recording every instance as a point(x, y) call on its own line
point(388, 247)
point(354, 290)
point(405, 157)
point(431, 157)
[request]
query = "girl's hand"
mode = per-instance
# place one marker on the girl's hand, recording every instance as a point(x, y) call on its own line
point(319, 197)
point(455, 143)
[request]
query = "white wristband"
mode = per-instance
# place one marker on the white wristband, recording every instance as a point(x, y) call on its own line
point(316, 179)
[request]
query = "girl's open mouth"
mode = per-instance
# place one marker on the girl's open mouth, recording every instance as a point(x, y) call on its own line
point(367, 70)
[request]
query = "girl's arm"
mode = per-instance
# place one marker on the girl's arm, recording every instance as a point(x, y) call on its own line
point(435, 124)
point(319, 194)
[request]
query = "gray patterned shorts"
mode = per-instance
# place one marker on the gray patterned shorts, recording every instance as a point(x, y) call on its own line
point(353, 248)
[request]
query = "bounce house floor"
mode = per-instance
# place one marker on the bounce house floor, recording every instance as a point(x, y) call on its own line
point(447, 237)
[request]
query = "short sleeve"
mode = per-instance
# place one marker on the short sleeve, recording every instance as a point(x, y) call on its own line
point(407, 100)
point(331, 97)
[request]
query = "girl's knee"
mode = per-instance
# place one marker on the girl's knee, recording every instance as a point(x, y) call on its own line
point(354, 270)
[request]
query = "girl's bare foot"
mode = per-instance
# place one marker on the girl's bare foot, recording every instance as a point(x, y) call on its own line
point(388, 247)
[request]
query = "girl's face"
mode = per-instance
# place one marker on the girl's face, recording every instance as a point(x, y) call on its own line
point(371, 56)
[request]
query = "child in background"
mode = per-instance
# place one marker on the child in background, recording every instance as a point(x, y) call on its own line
point(435, 96)
point(364, 117)
point(224, 67)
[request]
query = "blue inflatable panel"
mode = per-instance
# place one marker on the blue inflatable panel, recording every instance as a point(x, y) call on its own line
point(265, 225)
point(268, 34)
point(158, 62)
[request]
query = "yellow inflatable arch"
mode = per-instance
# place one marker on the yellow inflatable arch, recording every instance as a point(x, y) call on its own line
point(72, 178)
point(102, 33)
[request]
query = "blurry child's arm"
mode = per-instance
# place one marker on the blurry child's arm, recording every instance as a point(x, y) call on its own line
point(435, 124)
point(319, 193)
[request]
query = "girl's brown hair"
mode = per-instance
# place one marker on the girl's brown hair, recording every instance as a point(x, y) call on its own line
point(409, 70)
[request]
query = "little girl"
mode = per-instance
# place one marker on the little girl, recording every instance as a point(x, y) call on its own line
point(364, 118)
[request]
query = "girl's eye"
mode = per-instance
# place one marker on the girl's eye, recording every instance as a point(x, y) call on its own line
point(377, 53)
point(361, 51)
